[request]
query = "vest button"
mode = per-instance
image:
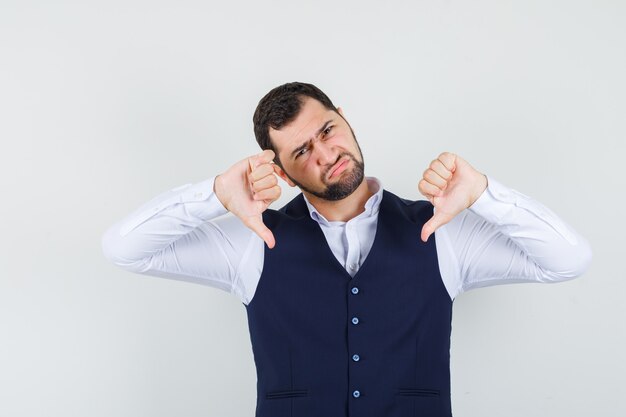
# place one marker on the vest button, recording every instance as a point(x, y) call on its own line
point(355, 320)
point(355, 290)
point(356, 394)
point(356, 358)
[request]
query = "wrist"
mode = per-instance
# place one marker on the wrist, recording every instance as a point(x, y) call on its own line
point(219, 190)
point(481, 186)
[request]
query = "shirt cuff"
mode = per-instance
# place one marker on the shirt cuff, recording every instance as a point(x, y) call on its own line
point(202, 192)
point(497, 199)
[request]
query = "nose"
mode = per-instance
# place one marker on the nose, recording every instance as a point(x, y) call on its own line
point(325, 153)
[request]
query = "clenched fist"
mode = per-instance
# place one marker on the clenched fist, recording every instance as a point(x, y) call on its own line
point(247, 189)
point(451, 185)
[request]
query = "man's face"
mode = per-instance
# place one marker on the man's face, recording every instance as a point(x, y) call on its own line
point(319, 153)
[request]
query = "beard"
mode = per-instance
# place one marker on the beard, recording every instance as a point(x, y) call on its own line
point(342, 188)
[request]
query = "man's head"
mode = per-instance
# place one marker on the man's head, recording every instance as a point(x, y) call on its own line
point(315, 147)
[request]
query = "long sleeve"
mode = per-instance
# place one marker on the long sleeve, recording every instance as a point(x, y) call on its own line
point(185, 234)
point(507, 237)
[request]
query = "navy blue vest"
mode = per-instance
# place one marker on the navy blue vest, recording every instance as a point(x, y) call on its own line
point(326, 344)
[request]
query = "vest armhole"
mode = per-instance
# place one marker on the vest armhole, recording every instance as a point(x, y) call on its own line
point(448, 263)
point(249, 270)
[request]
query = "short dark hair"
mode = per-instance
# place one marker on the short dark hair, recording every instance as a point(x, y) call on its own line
point(280, 107)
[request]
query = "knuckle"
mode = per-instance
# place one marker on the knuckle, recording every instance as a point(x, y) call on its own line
point(257, 186)
point(446, 157)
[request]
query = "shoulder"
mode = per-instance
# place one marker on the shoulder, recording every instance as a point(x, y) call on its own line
point(294, 210)
point(419, 211)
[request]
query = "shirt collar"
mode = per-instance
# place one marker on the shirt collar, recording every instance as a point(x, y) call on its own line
point(372, 204)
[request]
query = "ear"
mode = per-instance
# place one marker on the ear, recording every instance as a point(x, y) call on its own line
point(340, 111)
point(279, 171)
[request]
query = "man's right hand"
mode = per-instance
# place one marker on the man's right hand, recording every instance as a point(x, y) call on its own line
point(247, 189)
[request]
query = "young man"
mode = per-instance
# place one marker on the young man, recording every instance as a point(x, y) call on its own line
point(349, 302)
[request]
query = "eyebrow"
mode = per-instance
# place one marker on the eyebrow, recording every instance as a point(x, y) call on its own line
point(308, 142)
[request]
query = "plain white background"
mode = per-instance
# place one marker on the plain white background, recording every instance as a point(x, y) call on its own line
point(104, 105)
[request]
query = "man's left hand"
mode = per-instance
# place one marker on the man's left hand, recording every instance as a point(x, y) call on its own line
point(451, 185)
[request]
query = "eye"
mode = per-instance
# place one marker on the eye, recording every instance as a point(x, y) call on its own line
point(327, 130)
point(301, 152)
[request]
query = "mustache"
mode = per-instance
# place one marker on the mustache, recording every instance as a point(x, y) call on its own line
point(330, 166)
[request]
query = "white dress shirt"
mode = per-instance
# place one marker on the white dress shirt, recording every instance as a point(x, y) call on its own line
point(504, 237)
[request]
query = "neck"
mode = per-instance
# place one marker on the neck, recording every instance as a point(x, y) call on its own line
point(344, 209)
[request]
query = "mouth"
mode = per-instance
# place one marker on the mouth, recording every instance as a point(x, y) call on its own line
point(338, 168)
